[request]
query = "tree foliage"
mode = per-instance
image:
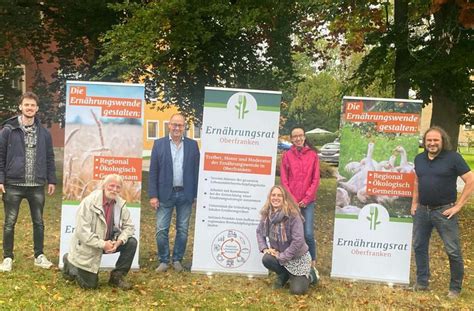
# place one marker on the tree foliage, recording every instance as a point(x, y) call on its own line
point(20, 22)
point(439, 42)
point(64, 32)
point(180, 47)
point(76, 28)
point(317, 102)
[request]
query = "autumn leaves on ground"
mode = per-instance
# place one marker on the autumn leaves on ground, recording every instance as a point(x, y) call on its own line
point(28, 287)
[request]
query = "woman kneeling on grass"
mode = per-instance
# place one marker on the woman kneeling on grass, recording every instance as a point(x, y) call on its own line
point(280, 238)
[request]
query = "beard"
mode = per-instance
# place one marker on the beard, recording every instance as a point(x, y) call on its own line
point(110, 195)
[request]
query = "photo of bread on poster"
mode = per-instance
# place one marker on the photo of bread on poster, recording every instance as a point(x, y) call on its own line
point(99, 142)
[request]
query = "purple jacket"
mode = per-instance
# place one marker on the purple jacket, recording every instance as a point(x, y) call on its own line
point(299, 174)
point(293, 248)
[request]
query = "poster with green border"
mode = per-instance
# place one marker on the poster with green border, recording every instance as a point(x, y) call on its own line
point(237, 168)
point(103, 135)
point(373, 226)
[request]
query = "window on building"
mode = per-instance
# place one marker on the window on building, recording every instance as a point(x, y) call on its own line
point(468, 126)
point(20, 82)
point(152, 129)
point(197, 131)
point(165, 129)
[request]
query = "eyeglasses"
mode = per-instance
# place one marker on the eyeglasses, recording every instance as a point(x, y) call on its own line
point(177, 125)
point(297, 136)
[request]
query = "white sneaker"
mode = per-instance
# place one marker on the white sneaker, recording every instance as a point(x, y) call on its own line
point(6, 265)
point(43, 262)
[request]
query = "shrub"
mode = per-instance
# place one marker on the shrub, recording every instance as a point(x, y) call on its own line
point(326, 170)
point(321, 139)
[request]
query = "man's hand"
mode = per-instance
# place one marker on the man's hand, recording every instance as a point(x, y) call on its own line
point(109, 247)
point(301, 204)
point(154, 203)
point(450, 212)
point(2, 188)
point(414, 206)
point(116, 245)
point(51, 188)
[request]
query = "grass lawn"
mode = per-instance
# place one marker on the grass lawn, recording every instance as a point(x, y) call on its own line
point(27, 287)
point(469, 159)
point(468, 155)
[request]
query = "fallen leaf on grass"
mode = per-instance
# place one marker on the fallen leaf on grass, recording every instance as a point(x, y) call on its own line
point(58, 297)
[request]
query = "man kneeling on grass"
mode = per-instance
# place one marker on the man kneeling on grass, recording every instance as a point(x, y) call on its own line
point(103, 226)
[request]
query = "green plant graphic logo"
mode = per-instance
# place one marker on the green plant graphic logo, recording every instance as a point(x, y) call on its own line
point(373, 218)
point(242, 106)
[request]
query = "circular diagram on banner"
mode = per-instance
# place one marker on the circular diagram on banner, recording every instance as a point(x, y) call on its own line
point(231, 248)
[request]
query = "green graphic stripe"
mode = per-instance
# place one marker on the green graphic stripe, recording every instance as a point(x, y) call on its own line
point(392, 219)
point(261, 107)
point(71, 202)
point(215, 105)
point(345, 216)
point(130, 205)
point(267, 101)
point(268, 108)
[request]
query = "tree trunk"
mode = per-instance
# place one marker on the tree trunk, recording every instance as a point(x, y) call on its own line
point(402, 56)
point(445, 114)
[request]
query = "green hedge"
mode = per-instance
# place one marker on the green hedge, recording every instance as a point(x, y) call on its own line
point(321, 139)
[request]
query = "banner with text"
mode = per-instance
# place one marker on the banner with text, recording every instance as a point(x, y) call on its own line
point(373, 225)
point(103, 135)
point(238, 156)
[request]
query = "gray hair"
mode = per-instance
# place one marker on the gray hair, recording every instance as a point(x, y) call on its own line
point(112, 177)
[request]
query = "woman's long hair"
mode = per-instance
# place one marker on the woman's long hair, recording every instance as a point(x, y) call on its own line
point(289, 206)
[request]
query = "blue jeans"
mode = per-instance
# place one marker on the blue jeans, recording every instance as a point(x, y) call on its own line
point(163, 220)
point(299, 284)
point(448, 229)
point(308, 214)
point(11, 200)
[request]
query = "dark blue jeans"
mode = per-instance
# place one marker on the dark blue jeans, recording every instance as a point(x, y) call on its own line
point(11, 199)
point(424, 222)
point(299, 284)
point(163, 220)
point(308, 214)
